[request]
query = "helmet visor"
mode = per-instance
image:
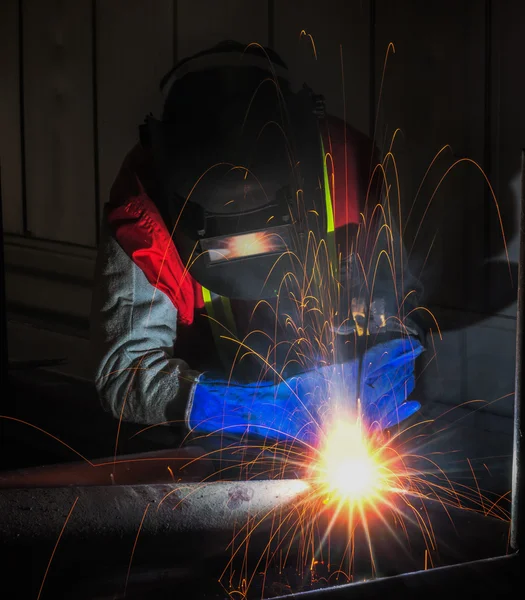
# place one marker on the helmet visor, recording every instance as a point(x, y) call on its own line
point(226, 248)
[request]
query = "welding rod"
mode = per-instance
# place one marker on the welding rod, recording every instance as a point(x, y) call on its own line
point(516, 529)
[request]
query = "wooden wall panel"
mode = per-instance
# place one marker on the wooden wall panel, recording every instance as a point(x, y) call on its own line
point(202, 23)
point(49, 283)
point(332, 24)
point(434, 90)
point(134, 51)
point(58, 99)
point(508, 139)
point(10, 138)
point(491, 363)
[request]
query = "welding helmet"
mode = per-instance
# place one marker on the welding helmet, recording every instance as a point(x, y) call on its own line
point(240, 168)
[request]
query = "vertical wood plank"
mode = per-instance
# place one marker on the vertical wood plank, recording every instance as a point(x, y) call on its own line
point(10, 138)
point(134, 50)
point(58, 100)
point(433, 91)
point(202, 23)
point(334, 25)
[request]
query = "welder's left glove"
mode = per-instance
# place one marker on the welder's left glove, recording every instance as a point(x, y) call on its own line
point(387, 380)
point(296, 408)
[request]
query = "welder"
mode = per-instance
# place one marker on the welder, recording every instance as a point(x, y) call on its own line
point(199, 307)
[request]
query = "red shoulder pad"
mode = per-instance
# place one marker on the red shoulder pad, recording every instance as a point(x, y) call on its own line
point(140, 230)
point(350, 160)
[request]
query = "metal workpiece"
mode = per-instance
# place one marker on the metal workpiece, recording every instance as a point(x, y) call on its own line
point(184, 534)
point(99, 531)
point(32, 515)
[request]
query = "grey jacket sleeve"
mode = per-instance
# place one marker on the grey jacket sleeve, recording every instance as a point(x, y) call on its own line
point(133, 330)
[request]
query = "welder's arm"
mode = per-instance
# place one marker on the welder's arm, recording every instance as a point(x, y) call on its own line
point(134, 327)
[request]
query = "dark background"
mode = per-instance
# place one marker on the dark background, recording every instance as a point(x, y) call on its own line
point(78, 77)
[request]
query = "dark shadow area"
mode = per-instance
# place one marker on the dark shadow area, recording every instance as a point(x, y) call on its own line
point(47, 413)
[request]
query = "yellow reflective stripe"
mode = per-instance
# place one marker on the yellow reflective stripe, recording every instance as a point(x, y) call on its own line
point(327, 196)
point(330, 226)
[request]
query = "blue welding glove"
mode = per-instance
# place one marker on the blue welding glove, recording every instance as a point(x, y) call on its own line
point(295, 408)
point(281, 412)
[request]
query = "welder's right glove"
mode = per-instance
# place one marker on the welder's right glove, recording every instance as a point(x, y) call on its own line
point(295, 408)
point(281, 412)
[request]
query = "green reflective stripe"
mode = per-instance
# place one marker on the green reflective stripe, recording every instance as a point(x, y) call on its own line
point(327, 196)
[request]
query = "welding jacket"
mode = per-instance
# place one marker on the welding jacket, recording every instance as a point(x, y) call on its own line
point(149, 338)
